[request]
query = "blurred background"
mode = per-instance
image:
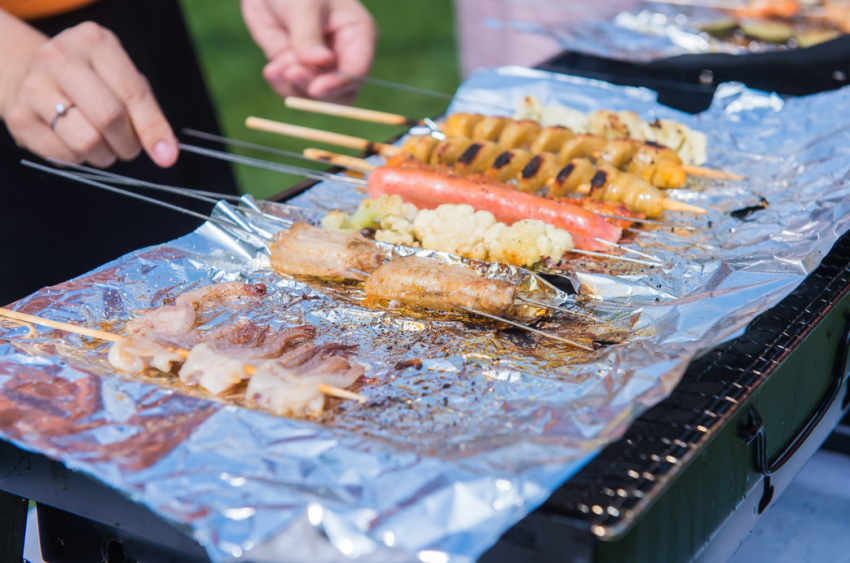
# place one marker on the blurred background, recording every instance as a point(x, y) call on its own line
point(416, 47)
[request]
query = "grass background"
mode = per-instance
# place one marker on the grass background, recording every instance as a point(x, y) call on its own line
point(416, 47)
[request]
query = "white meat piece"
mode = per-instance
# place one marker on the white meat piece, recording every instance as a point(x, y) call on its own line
point(212, 369)
point(168, 319)
point(296, 391)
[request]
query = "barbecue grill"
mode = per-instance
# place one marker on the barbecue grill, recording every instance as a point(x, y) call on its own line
point(689, 479)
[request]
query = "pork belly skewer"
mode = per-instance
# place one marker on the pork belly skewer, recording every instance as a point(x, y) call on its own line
point(118, 339)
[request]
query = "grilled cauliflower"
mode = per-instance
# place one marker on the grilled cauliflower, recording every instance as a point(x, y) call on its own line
point(387, 213)
point(526, 242)
point(689, 144)
point(396, 230)
point(555, 114)
point(458, 229)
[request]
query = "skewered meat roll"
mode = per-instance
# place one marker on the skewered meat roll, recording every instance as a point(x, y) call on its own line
point(430, 284)
point(312, 251)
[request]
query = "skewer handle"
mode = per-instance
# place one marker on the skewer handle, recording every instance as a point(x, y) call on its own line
point(94, 333)
point(342, 160)
point(318, 135)
point(339, 110)
point(672, 205)
point(704, 172)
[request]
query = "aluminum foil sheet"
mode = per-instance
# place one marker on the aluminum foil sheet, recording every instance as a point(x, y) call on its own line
point(643, 35)
point(448, 455)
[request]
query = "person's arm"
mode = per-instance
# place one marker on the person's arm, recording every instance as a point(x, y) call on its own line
point(314, 47)
point(113, 112)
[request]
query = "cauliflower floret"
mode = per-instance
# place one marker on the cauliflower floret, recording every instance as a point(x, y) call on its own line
point(396, 230)
point(689, 144)
point(334, 220)
point(458, 229)
point(555, 114)
point(394, 206)
point(526, 242)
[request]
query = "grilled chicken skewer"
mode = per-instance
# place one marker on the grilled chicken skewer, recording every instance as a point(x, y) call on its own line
point(431, 284)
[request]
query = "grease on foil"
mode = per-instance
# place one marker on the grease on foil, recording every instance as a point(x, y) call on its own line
point(454, 449)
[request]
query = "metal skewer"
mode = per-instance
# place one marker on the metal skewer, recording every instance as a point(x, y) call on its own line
point(614, 257)
point(528, 328)
point(628, 250)
point(556, 308)
point(247, 145)
point(647, 221)
point(672, 238)
point(284, 168)
point(113, 189)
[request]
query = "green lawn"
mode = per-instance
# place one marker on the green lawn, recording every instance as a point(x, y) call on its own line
point(417, 47)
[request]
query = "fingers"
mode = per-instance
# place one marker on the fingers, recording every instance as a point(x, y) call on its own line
point(98, 121)
point(31, 133)
point(306, 25)
point(78, 138)
point(354, 39)
point(133, 91)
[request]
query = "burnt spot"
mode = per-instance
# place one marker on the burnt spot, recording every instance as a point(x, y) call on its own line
point(599, 180)
point(533, 167)
point(654, 145)
point(469, 154)
point(565, 173)
point(503, 160)
point(742, 214)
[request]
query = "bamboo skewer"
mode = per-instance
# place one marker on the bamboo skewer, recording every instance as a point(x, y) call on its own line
point(342, 160)
point(318, 135)
point(340, 110)
point(704, 172)
point(92, 332)
point(103, 335)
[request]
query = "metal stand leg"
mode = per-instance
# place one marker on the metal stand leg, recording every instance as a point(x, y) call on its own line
point(13, 527)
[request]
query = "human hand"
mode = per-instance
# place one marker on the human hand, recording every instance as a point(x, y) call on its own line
point(113, 113)
point(314, 47)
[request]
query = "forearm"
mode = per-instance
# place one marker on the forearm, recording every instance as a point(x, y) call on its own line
point(18, 41)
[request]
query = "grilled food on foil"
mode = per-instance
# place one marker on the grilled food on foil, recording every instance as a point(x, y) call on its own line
point(532, 160)
point(312, 251)
point(427, 188)
point(431, 284)
point(690, 145)
point(292, 370)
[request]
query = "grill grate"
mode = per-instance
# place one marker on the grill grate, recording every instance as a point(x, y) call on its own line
point(625, 472)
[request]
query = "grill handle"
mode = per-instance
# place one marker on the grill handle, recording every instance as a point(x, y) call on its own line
point(754, 430)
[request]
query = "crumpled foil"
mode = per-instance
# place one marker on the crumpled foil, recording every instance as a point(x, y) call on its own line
point(645, 35)
point(447, 456)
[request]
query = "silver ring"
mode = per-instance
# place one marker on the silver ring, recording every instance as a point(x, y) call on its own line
point(60, 109)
